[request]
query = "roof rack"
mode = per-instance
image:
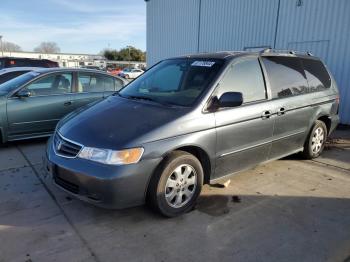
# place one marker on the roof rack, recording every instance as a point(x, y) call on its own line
point(291, 52)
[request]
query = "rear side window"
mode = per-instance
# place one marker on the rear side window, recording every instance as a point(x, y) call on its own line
point(316, 74)
point(118, 84)
point(286, 76)
point(246, 77)
point(95, 83)
point(108, 83)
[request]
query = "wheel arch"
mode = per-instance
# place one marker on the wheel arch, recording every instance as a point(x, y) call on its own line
point(327, 121)
point(195, 150)
point(203, 158)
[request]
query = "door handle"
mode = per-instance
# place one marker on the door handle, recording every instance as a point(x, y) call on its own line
point(266, 114)
point(281, 111)
point(68, 103)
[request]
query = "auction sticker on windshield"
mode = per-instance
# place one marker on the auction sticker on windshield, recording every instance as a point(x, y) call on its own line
point(203, 63)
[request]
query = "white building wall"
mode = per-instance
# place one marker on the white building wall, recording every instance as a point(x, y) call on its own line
point(64, 59)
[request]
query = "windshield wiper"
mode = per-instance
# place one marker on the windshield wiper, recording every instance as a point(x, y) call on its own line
point(147, 98)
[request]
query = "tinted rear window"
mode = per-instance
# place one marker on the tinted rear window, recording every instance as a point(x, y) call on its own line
point(286, 76)
point(317, 75)
point(18, 62)
point(10, 75)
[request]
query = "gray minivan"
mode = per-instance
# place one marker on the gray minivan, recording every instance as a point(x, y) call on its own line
point(193, 120)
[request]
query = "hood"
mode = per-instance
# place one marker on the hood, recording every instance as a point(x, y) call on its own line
point(117, 123)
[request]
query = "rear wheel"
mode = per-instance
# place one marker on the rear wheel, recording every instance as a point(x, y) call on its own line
point(176, 184)
point(315, 141)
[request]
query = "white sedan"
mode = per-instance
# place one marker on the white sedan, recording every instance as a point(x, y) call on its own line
point(131, 73)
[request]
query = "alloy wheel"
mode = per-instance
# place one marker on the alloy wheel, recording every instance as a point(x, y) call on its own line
point(181, 186)
point(317, 140)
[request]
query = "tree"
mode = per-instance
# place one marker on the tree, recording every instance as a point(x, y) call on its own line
point(110, 54)
point(128, 53)
point(10, 47)
point(47, 47)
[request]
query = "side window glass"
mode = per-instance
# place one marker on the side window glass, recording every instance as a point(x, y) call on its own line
point(51, 85)
point(316, 74)
point(246, 77)
point(286, 76)
point(108, 83)
point(90, 83)
point(118, 84)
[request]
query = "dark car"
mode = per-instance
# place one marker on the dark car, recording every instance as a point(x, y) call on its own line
point(7, 62)
point(12, 72)
point(193, 120)
point(33, 103)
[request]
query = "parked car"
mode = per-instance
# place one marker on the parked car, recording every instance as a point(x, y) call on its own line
point(131, 73)
point(6, 62)
point(12, 72)
point(92, 67)
point(33, 103)
point(193, 120)
point(114, 71)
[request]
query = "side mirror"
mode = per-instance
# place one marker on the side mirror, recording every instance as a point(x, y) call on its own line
point(23, 93)
point(230, 99)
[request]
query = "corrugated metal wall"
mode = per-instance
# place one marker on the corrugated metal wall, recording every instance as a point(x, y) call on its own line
point(172, 27)
point(323, 28)
point(235, 25)
point(176, 27)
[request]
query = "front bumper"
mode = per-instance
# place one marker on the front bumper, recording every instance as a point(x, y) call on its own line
point(107, 186)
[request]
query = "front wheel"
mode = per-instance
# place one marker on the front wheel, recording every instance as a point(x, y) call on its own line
point(176, 185)
point(315, 141)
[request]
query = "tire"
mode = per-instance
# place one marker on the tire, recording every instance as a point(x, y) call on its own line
point(167, 193)
point(315, 141)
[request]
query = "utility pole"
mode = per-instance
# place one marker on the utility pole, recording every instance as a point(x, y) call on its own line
point(2, 51)
point(129, 55)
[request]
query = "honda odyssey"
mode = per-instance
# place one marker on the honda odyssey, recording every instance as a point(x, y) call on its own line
point(193, 120)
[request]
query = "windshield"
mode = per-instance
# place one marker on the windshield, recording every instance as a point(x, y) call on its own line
point(17, 82)
point(175, 81)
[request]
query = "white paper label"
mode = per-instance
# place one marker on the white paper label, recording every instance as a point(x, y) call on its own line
point(203, 63)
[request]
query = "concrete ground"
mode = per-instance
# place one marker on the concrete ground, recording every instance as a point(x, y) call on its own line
point(287, 210)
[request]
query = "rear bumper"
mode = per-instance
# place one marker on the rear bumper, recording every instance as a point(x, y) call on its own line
point(335, 120)
point(113, 187)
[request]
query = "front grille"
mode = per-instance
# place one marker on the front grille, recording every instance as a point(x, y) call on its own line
point(64, 147)
point(66, 184)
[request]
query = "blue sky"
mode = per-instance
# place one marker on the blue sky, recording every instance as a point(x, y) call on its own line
point(77, 26)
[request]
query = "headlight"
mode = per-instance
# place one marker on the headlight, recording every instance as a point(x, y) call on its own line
point(110, 157)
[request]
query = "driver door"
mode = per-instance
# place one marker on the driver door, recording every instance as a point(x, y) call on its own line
point(50, 100)
point(244, 133)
